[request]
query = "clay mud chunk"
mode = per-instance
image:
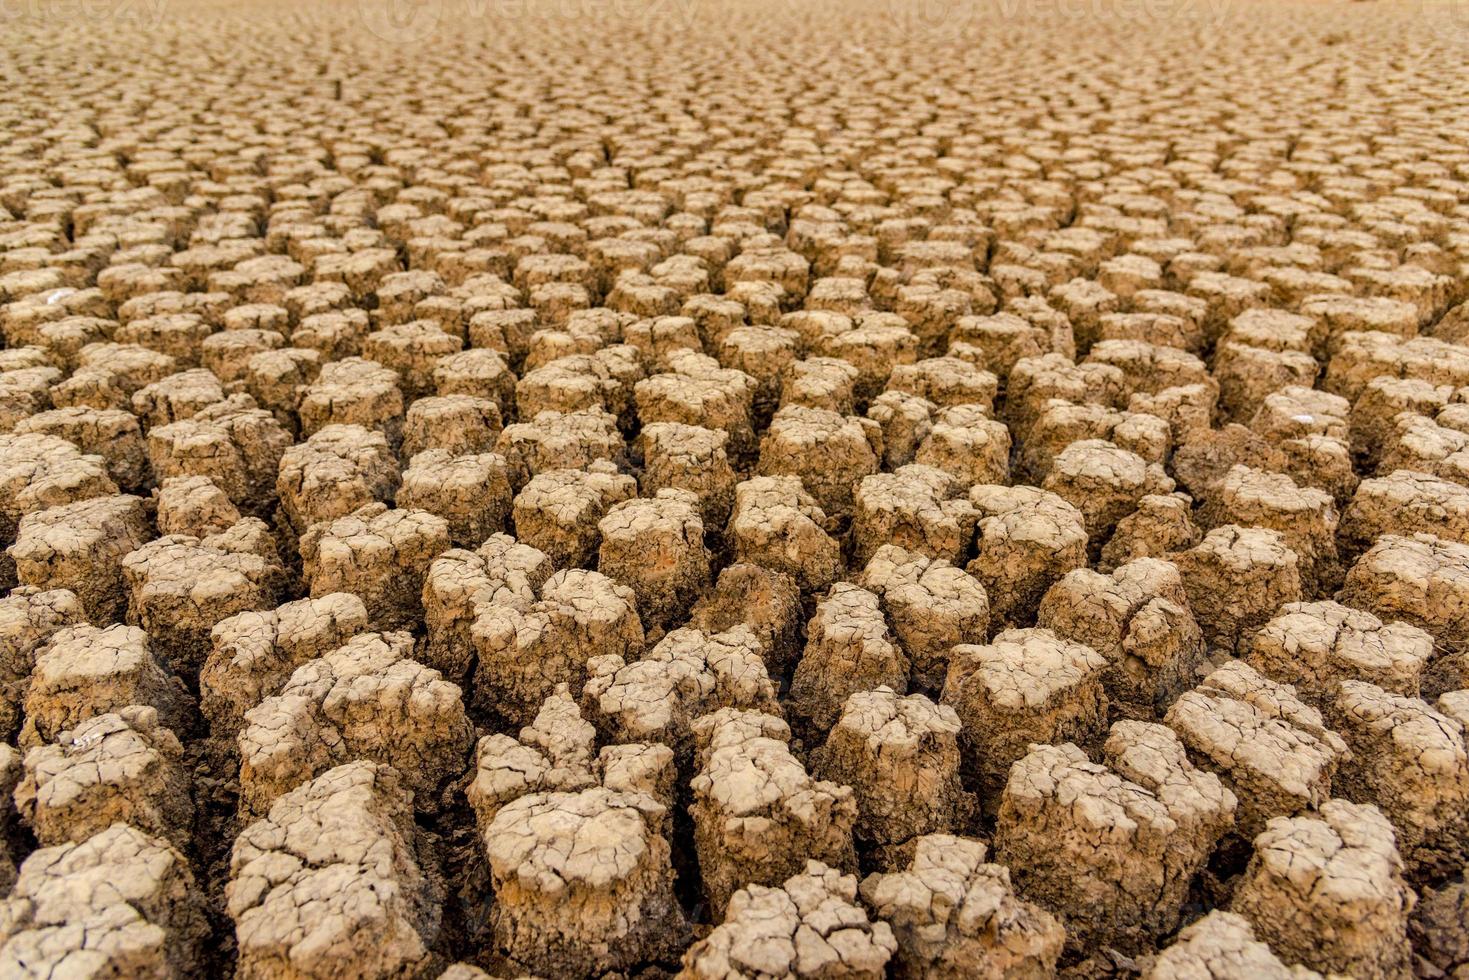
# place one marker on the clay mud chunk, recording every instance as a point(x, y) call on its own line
point(827, 383)
point(331, 880)
point(1405, 503)
point(966, 443)
point(1156, 816)
point(28, 619)
point(354, 391)
point(471, 493)
point(1421, 579)
point(121, 767)
point(932, 607)
point(121, 904)
point(558, 511)
point(700, 392)
point(333, 473)
point(1161, 525)
point(778, 525)
point(1221, 945)
point(916, 507)
point(655, 546)
point(953, 914)
point(367, 699)
point(691, 458)
point(1327, 892)
point(758, 815)
point(809, 926)
point(848, 649)
point(767, 603)
point(687, 675)
point(459, 424)
point(1304, 516)
point(1314, 646)
point(556, 441)
point(194, 506)
point(900, 755)
point(80, 547)
point(1410, 761)
point(1026, 685)
point(1138, 619)
point(1062, 423)
point(84, 672)
point(525, 650)
point(1027, 540)
point(379, 554)
point(1104, 482)
point(1440, 927)
point(1236, 579)
point(605, 903)
point(905, 421)
point(176, 397)
point(238, 446)
point(830, 453)
point(253, 654)
point(41, 471)
point(112, 434)
point(1271, 750)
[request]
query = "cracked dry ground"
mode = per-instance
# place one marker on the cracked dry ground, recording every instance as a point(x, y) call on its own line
point(754, 490)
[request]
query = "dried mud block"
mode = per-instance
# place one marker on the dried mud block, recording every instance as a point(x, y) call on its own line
point(110, 433)
point(1161, 525)
point(1340, 315)
point(29, 618)
point(526, 650)
point(946, 382)
point(900, 755)
point(778, 525)
point(1313, 646)
point(106, 376)
point(655, 546)
point(600, 380)
point(875, 346)
point(830, 453)
point(329, 882)
point(227, 354)
point(558, 511)
point(955, 915)
point(1273, 751)
point(1237, 578)
point(1111, 850)
point(691, 458)
point(1327, 891)
point(920, 508)
point(1405, 503)
point(1247, 374)
point(1221, 945)
point(809, 926)
point(1138, 619)
point(848, 649)
point(195, 506)
point(354, 391)
point(279, 379)
point(460, 585)
point(80, 547)
point(379, 554)
point(180, 587)
point(1028, 539)
point(687, 675)
point(40, 471)
point(1423, 444)
point(1305, 517)
point(1419, 579)
point(583, 882)
point(1294, 412)
point(253, 654)
point(1104, 482)
point(932, 607)
point(459, 424)
point(1439, 927)
point(336, 471)
point(176, 397)
point(1410, 761)
point(766, 602)
point(121, 767)
point(827, 383)
point(470, 492)
point(1026, 685)
point(479, 373)
point(367, 699)
point(1004, 338)
point(1060, 424)
point(120, 904)
point(238, 446)
point(1362, 356)
point(700, 392)
point(1034, 381)
point(758, 815)
point(905, 421)
point(411, 350)
point(556, 441)
point(1373, 419)
point(965, 443)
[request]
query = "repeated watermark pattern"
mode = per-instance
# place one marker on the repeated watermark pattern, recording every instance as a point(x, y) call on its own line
point(84, 15)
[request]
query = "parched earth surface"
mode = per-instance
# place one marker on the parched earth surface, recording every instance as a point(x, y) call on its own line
point(652, 488)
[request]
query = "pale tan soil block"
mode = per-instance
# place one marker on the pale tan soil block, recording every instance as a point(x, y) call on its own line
point(40, 471)
point(1034, 381)
point(1221, 944)
point(1362, 356)
point(525, 650)
point(1305, 517)
point(1439, 927)
point(1161, 525)
point(367, 699)
point(917, 507)
point(1374, 414)
point(1115, 868)
point(121, 903)
point(176, 397)
point(193, 506)
point(1296, 411)
point(1426, 446)
point(932, 606)
point(699, 392)
point(758, 815)
point(1236, 579)
point(1138, 619)
point(379, 554)
point(966, 443)
point(470, 492)
point(826, 383)
point(459, 424)
point(80, 547)
point(1104, 482)
point(905, 421)
point(29, 618)
point(558, 511)
point(809, 926)
point(460, 585)
point(354, 391)
point(1327, 892)
point(690, 458)
point(111, 433)
point(1273, 751)
point(1027, 539)
point(655, 546)
point(1061, 423)
point(602, 379)
point(849, 648)
point(479, 373)
point(331, 880)
point(1419, 579)
point(333, 473)
point(830, 453)
point(1405, 503)
point(557, 441)
point(240, 447)
point(778, 525)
